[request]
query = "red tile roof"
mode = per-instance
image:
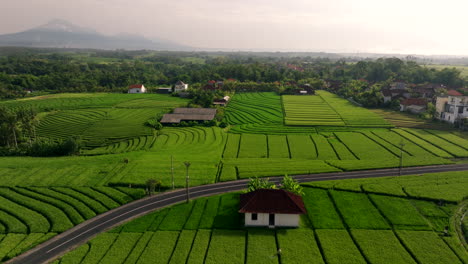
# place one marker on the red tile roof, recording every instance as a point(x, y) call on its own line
point(454, 93)
point(414, 101)
point(271, 202)
point(135, 86)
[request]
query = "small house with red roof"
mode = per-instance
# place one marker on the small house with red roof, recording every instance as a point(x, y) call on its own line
point(136, 88)
point(271, 208)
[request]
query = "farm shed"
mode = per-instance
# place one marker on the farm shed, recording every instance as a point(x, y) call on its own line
point(137, 88)
point(189, 114)
point(268, 207)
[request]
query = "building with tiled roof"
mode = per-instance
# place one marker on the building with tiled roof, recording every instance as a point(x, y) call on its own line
point(137, 88)
point(272, 208)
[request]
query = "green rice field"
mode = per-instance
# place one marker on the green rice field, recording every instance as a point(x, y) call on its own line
point(341, 226)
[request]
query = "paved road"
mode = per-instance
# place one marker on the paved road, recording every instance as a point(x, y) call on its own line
point(89, 229)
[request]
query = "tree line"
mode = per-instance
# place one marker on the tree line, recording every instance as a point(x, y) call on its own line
point(114, 71)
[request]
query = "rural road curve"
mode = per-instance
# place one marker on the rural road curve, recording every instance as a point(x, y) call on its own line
point(83, 232)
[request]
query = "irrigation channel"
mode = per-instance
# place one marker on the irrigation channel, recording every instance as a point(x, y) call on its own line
point(85, 231)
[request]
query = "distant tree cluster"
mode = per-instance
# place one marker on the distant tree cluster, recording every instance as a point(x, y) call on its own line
point(114, 71)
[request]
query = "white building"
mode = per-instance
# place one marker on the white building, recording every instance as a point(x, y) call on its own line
point(452, 108)
point(271, 208)
point(137, 88)
point(180, 87)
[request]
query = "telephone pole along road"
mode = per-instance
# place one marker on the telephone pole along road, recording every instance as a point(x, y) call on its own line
point(85, 231)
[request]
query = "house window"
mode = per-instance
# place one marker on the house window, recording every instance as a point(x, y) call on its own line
point(254, 217)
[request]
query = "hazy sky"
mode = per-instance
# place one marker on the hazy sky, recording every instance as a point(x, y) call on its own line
point(388, 26)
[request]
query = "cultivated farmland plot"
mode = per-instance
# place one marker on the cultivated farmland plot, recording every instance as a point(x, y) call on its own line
point(340, 227)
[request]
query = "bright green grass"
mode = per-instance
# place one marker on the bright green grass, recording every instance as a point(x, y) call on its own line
point(301, 147)
point(449, 186)
point(277, 146)
point(351, 114)
point(253, 146)
point(182, 249)
point(453, 149)
point(254, 108)
point(98, 248)
point(309, 111)
point(320, 209)
point(226, 246)
point(200, 246)
point(357, 211)
point(427, 247)
point(249, 168)
point(298, 246)
point(400, 212)
point(381, 246)
point(159, 248)
point(121, 248)
point(338, 247)
point(261, 246)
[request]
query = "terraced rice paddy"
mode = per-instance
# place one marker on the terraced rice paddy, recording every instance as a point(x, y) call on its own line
point(100, 120)
point(29, 216)
point(387, 229)
point(326, 109)
point(309, 111)
point(254, 108)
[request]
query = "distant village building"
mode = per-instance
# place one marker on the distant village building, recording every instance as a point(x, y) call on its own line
point(396, 90)
point(164, 90)
point(222, 102)
point(413, 105)
point(189, 114)
point(137, 88)
point(453, 107)
point(213, 85)
point(180, 87)
point(271, 208)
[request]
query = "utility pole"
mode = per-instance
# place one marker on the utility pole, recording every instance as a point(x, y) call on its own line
point(172, 172)
point(187, 165)
point(401, 157)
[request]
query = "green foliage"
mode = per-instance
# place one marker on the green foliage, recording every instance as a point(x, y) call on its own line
point(291, 185)
point(259, 183)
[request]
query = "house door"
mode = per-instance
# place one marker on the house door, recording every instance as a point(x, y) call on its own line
point(271, 220)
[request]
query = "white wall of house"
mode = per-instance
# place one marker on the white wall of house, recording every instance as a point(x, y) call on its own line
point(454, 108)
point(180, 88)
point(286, 220)
point(137, 90)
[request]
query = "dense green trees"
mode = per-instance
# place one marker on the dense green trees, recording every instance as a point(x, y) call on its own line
point(115, 70)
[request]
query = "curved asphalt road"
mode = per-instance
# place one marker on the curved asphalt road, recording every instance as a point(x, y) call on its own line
point(85, 231)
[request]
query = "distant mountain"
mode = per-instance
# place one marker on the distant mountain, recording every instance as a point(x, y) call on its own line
point(62, 34)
